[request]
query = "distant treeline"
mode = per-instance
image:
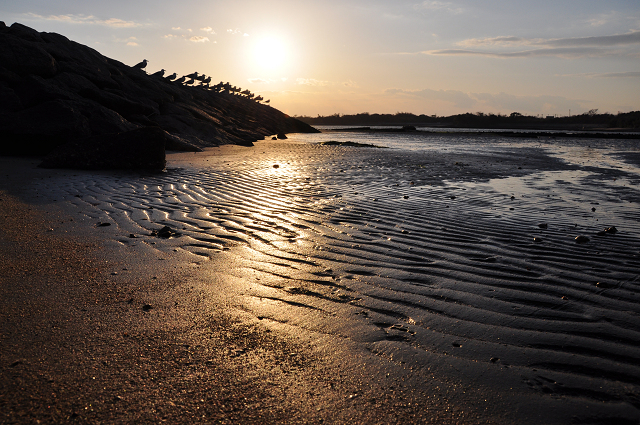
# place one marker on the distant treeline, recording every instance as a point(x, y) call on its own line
point(586, 121)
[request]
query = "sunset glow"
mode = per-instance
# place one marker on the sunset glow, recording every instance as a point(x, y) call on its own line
point(424, 57)
point(270, 53)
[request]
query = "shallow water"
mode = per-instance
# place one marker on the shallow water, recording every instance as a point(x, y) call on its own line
point(423, 252)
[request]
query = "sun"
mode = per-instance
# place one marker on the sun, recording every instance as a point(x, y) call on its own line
point(271, 53)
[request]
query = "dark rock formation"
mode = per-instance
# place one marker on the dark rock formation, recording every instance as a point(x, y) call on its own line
point(84, 110)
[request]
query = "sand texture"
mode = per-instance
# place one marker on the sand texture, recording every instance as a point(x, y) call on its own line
point(444, 286)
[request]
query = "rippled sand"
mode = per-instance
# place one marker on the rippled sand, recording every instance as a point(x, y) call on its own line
point(456, 266)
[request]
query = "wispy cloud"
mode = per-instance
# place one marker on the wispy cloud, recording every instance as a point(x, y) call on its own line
point(237, 32)
point(311, 82)
point(630, 74)
point(457, 98)
point(500, 102)
point(632, 37)
point(199, 39)
point(208, 30)
point(561, 52)
point(440, 5)
point(519, 47)
point(90, 20)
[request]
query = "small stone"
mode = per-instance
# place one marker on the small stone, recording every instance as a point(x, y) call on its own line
point(494, 359)
point(147, 307)
point(593, 209)
point(406, 197)
point(276, 166)
point(581, 239)
point(543, 225)
point(538, 240)
point(611, 230)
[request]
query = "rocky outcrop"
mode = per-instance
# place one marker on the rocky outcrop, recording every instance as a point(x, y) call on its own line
point(67, 101)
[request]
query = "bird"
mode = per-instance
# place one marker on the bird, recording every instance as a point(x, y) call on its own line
point(259, 98)
point(206, 80)
point(159, 73)
point(191, 81)
point(193, 75)
point(199, 77)
point(267, 101)
point(141, 65)
point(171, 77)
point(181, 79)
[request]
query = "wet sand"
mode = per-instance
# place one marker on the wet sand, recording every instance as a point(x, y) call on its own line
point(345, 284)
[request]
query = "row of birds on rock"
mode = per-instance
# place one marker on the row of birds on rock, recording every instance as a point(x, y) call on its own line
point(204, 81)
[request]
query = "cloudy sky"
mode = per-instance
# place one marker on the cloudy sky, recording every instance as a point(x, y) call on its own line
point(385, 56)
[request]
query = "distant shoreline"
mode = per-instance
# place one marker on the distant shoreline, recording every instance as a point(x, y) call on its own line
point(591, 121)
point(523, 133)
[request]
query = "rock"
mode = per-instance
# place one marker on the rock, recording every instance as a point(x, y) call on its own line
point(143, 148)
point(543, 225)
point(24, 54)
point(282, 136)
point(581, 239)
point(166, 232)
point(147, 307)
point(276, 166)
point(59, 96)
point(611, 230)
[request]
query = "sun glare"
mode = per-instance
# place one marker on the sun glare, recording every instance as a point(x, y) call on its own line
point(270, 53)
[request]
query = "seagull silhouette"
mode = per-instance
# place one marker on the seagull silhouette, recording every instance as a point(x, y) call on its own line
point(171, 77)
point(159, 73)
point(141, 65)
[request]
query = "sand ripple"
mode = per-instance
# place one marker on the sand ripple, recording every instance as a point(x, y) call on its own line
point(424, 258)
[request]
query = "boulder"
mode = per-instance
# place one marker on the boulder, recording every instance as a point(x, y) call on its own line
point(139, 149)
point(68, 101)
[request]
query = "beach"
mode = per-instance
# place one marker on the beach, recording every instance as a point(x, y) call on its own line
point(296, 282)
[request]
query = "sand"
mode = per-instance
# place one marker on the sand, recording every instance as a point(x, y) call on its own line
point(322, 283)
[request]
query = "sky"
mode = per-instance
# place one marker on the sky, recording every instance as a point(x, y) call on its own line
point(378, 56)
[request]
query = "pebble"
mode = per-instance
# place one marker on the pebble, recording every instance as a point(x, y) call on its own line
point(147, 307)
point(581, 239)
point(537, 240)
point(543, 225)
point(276, 166)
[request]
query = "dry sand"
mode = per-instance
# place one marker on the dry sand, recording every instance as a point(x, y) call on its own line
point(345, 285)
